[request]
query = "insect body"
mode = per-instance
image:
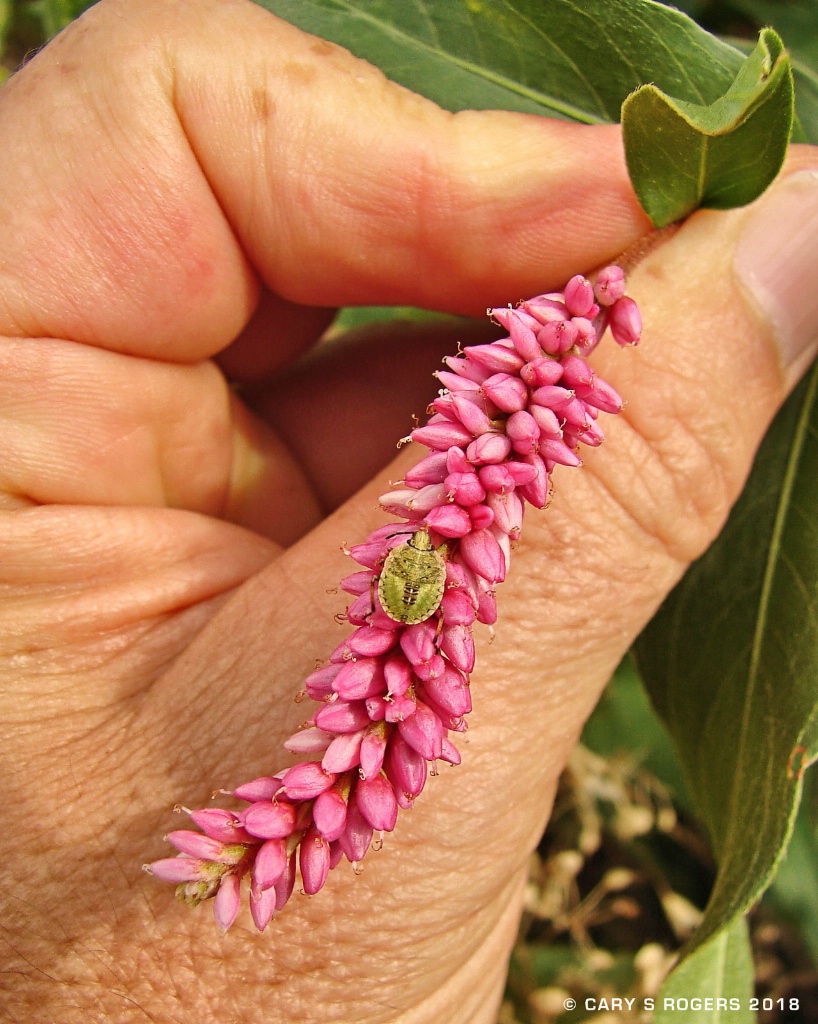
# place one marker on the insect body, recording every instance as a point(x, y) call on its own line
point(412, 579)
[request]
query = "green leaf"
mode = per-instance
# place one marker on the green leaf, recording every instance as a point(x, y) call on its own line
point(561, 58)
point(721, 969)
point(731, 660)
point(684, 155)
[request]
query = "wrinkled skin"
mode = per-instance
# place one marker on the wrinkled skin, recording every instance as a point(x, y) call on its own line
point(188, 191)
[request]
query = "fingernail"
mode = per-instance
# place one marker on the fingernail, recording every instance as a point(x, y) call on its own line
point(776, 262)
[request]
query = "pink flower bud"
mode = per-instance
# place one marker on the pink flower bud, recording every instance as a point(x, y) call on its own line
point(457, 608)
point(576, 372)
point(601, 396)
point(536, 492)
point(488, 448)
point(360, 679)
point(559, 452)
point(373, 749)
point(508, 512)
point(495, 358)
point(449, 691)
point(344, 752)
point(405, 768)
point(464, 488)
point(552, 396)
point(454, 382)
point(457, 643)
point(579, 296)
point(357, 835)
point(398, 503)
point(575, 414)
point(541, 371)
point(219, 824)
point(470, 413)
point(305, 781)
point(497, 478)
point(430, 669)
point(441, 436)
point(450, 752)
point(547, 421)
point(270, 863)
point(398, 674)
point(308, 741)
point(546, 309)
point(356, 584)
point(342, 716)
point(182, 869)
point(377, 804)
point(625, 321)
point(267, 820)
point(487, 603)
point(423, 732)
point(262, 906)
point(481, 553)
point(449, 520)
point(284, 886)
point(400, 707)
point(523, 336)
point(591, 435)
point(194, 844)
point(329, 812)
point(227, 903)
point(369, 642)
point(522, 428)
point(609, 285)
point(466, 368)
point(376, 708)
point(431, 470)
point(588, 334)
point(508, 393)
point(313, 859)
point(481, 517)
point(264, 788)
point(418, 642)
point(520, 472)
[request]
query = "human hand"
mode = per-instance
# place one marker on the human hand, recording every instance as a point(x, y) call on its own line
point(165, 551)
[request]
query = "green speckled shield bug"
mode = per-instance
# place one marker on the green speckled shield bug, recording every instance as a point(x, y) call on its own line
point(412, 579)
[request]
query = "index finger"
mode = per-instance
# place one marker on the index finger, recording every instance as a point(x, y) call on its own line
point(219, 172)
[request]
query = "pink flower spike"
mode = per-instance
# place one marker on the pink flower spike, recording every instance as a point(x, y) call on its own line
point(377, 803)
point(344, 752)
point(329, 812)
point(264, 788)
point(270, 862)
point(357, 835)
point(342, 716)
point(227, 903)
point(449, 521)
point(306, 780)
point(625, 321)
point(423, 732)
point(267, 820)
point(262, 906)
point(313, 859)
point(405, 768)
point(488, 448)
point(508, 393)
point(609, 285)
point(373, 749)
point(308, 741)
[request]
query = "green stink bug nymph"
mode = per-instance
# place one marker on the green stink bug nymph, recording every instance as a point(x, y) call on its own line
point(412, 580)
